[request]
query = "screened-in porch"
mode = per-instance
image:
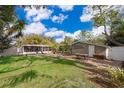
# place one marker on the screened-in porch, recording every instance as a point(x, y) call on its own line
point(36, 49)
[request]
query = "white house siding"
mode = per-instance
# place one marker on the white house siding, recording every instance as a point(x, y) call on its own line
point(91, 50)
point(116, 53)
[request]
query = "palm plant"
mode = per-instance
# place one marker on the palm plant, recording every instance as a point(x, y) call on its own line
point(10, 26)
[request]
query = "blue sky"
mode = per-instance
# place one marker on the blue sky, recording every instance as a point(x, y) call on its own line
point(56, 21)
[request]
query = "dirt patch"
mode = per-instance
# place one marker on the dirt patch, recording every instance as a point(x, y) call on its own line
point(96, 70)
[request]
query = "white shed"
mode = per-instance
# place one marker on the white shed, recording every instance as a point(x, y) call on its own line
point(115, 53)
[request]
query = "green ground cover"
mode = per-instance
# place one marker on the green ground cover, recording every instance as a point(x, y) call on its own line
point(42, 71)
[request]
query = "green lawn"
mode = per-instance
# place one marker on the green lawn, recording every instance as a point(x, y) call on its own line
point(41, 71)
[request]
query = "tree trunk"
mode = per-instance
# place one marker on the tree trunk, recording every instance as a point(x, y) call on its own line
point(110, 38)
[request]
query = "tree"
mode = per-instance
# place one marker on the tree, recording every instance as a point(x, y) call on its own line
point(99, 40)
point(35, 39)
point(10, 26)
point(117, 32)
point(65, 45)
point(85, 36)
point(106, 16)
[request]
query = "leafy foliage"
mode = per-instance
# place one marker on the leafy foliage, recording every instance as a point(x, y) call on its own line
point(65, 45)
point(10, 26)
point(36, 39)
point(117, 32)
point(106, 16)
point(88, 37)
point(84, 36)
point(117, 76)
point(98, 40)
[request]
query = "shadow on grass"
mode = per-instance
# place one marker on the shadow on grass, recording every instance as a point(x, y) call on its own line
point(7, 69)
point(27, 76)
point(10, 59)
point(6, 60)
point(10, 69)
point(70, 82)
point(32, 59)
point(24, 77)
point(59, 60)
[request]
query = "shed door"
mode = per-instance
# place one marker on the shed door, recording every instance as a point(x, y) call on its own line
point(91, 50)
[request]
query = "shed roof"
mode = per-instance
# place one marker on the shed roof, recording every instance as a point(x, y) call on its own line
point(90, 44)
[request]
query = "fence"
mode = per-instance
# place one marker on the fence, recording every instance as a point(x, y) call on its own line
point(115, 53)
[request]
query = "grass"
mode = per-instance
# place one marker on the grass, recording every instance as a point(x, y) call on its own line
point(42, 71)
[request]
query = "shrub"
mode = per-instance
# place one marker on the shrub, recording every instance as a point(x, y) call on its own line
point(117, 76)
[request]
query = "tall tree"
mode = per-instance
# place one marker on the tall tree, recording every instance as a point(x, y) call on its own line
point(117, 32)
point(10, 26)
point(106, 16)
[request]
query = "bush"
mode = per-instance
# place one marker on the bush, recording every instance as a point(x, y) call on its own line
point(117, 76)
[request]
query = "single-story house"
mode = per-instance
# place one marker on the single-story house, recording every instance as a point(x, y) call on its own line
point(34, 49)
point(90, 49)
point(27, 49)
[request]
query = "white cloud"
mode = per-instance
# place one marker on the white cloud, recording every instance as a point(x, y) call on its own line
point(85, 17)
point(95, 32)
point(38, 14)
point(59, 40)
point(99, 30)
point(54, 32)
point(69, 35)
point(60, 34)
point(34, 28)
point(73, 35)
point(76, 33)
point(59, 19)
point(30, 12)
point(66, 7)
point(87, 14)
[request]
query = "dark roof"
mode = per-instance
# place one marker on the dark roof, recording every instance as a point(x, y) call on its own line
point(89, 44)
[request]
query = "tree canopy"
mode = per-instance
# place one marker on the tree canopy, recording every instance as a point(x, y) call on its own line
point(65, 45)
point(10, 26)
point(108, 17)
point(35, 39)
